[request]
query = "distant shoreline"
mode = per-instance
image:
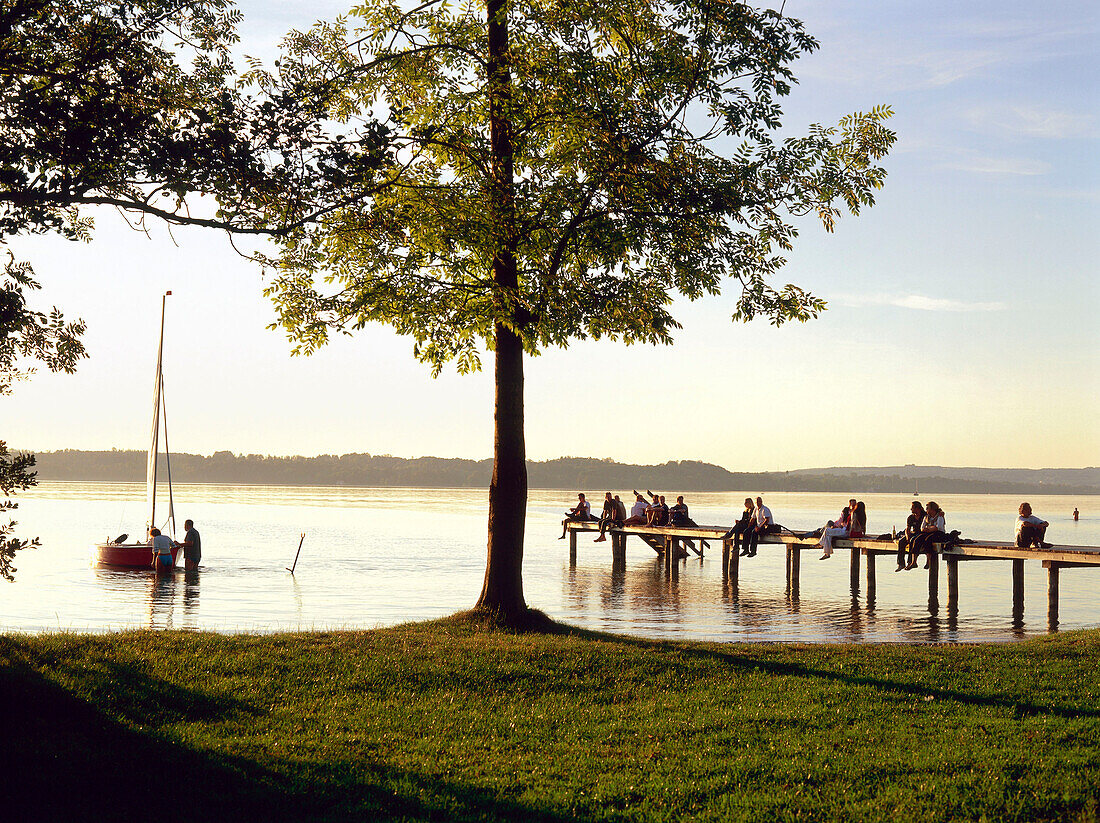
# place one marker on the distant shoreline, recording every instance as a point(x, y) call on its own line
point(582, 474)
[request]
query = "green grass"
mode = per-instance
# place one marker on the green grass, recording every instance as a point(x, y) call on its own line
point(449, 721)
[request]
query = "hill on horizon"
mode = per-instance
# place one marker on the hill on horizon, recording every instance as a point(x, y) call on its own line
point(575, 473)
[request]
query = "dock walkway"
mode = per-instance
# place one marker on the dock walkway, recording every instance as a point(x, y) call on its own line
point(673, 542)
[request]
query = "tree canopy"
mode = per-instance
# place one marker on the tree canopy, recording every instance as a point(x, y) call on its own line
point(644, 167)
point(558, 171)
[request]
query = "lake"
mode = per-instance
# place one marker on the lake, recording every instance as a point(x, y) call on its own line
point(381, 556)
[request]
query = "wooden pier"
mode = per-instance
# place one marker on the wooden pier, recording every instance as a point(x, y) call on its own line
point(675, 543)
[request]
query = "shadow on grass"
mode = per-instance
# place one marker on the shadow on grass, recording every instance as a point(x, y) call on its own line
point(65, 759)
point(737, 658)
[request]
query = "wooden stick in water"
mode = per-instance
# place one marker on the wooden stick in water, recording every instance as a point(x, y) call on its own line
point(295, 564)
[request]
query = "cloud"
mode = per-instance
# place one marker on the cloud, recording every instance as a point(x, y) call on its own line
point(916, 302)
point(913, 48)
point(1031, 121)
point(1016, 166)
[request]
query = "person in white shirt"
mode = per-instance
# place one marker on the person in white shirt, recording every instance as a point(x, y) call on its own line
point(1030, 530)
point(637, 511)
point(580, 513)
point(763, 523)
point(162, 550)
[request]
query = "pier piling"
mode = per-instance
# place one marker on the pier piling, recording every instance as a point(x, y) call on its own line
point(1018, 586)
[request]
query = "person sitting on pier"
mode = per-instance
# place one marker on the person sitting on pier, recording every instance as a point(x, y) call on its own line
point(581, 513)
point(637, 512)
point(763, 523)
point(912, 529)
point(1030, 530)
point(614, 513)
point(657, 513)
point(834, 529)
point(678, 514)
point(662, 516)
point(932, 531)
point(858, 526)
point(740, 530)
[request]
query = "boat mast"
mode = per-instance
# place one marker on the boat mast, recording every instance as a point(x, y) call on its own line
point(167, 456)
point(151, 467)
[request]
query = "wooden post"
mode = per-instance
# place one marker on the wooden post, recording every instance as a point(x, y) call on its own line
point(572, 547)
point(1018, 586)
point(725, 556)
point(796, 563)
point(1052, 597)
point(952, 582)
point(734, 564)
point(790, 559)
point(855, 567)
point(933, 574)
point(870, 573)
point(618, 547)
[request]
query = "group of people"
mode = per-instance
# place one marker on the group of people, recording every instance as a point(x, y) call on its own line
point(162, 546)
point(642, 513)
point(755, 520)
point(925, 527)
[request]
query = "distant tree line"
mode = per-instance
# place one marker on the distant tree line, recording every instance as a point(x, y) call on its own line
point(579, 473)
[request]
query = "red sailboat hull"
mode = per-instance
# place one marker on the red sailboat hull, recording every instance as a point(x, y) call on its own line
point(131, 555)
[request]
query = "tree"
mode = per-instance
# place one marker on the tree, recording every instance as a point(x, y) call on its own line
point(559, 172)
point(132, 104)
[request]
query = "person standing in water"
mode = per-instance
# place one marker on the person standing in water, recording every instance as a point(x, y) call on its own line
point(162, 551)
point(192, 546)
point(1076, 514)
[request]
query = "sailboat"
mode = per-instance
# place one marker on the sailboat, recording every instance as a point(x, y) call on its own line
point(140, 555)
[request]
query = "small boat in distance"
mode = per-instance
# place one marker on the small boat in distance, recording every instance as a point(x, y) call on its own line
point(140, 555)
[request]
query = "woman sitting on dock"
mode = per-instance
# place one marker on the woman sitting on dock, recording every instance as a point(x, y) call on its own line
point(912, 529)
point(932, 530)
point(833, 529)
point(858, 527)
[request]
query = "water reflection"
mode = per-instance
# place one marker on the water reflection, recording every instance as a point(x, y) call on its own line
point(191, 598)
point(162, 593)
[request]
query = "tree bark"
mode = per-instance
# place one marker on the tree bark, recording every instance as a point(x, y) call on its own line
point(502, 591)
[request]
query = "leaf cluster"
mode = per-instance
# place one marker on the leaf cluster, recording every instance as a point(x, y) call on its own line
point(15, 474)
point(624, 191)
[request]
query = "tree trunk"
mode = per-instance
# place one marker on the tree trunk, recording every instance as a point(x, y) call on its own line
point(502, 592)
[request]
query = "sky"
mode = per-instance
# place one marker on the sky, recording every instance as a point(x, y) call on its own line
point(962, 321)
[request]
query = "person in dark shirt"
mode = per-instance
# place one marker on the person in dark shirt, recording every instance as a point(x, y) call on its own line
point(192, 546)
point(614, 513)
point(678, 514)
point(740, 529)
point(912, 529)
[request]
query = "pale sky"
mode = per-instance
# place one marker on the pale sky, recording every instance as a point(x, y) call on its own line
point(961, 330)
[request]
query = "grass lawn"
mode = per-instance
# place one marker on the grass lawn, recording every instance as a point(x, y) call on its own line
point(449, 721)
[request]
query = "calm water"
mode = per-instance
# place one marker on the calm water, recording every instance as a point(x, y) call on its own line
point(376, 557)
